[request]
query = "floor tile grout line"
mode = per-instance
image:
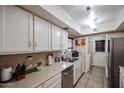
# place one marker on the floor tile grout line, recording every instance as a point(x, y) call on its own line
point(102, 78)
point(90, 73)
point(89, 77)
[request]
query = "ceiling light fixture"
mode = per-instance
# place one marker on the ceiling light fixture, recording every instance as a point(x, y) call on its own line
point(89, 7)
point(92, 15)
point(92, 24)
point(92, 20)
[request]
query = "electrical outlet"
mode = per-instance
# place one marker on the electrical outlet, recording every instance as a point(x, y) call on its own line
point(29, 58)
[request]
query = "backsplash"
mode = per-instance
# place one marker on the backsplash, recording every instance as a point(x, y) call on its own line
point(13, 60)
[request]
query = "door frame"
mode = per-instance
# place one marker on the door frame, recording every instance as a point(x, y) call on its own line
point(89, 54)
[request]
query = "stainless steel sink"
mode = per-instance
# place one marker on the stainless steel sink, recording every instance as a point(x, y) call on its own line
point(71, 60)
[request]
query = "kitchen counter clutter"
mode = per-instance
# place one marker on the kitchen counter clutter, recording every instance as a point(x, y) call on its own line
point(35, 79)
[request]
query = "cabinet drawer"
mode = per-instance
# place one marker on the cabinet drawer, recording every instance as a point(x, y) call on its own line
point(40, 86)
point(77, 71)
point(52, 80)
point(57, 84)
point(77, 63)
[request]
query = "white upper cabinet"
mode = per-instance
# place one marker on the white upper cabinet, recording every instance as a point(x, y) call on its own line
point(42, 35)
point(16, 30)
point(17, 35)
point(56, 38)
point(64, 39)
point(1, 28)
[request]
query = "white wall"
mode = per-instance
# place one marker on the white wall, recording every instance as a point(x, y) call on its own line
point(116, 35)
point(98, 58)
point(88, 49)
point(90, 41)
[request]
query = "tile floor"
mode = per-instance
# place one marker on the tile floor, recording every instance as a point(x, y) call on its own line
point(95, 78)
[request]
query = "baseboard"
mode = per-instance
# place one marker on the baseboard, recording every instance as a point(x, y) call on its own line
point(98, 66)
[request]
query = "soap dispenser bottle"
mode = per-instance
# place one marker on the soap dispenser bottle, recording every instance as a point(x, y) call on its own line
point(50, 60)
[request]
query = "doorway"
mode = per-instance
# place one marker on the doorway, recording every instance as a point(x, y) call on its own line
point(99, 50)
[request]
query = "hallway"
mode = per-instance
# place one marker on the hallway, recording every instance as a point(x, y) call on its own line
point(93, 79)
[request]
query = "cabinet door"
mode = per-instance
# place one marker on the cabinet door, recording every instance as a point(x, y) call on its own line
point(1, 28)
point(17, 30)
point(83, 65)
point(64, 39)
point(79, 69)
point(75, 73)
point(56, 38)
point(42, 31)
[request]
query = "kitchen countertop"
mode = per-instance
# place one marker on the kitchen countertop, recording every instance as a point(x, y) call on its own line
point(34, 79)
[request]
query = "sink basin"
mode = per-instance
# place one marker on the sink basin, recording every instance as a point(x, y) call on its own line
point(72, 60)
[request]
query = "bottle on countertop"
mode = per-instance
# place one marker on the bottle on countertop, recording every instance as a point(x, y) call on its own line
point(50, 59)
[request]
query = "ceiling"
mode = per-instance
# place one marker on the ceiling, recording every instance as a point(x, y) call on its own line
point(75, 17)
point(103, 13)
point(39, 11)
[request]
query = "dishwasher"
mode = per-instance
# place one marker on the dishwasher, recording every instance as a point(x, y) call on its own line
point(67, 78)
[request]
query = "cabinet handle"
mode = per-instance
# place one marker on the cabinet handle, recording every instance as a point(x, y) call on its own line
point(29, 45)
point(65, 73)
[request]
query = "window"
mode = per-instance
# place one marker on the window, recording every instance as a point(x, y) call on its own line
point(100, 45)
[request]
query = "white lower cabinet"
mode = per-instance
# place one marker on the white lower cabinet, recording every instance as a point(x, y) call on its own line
point(77, 71)
point(54, 82)
point(83, 66)
point(74, 75)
